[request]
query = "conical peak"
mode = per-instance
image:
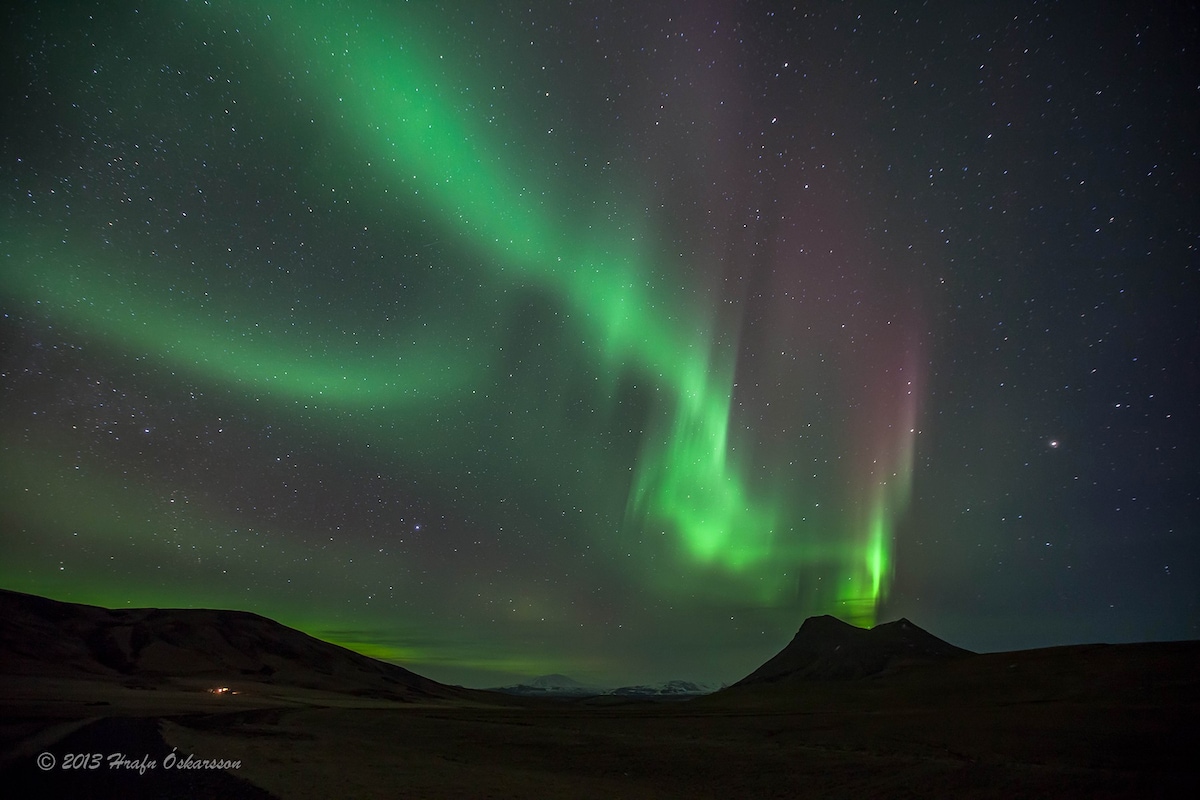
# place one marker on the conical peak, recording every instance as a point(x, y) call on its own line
point(826, 622)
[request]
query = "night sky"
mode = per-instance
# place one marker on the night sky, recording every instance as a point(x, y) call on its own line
point(603, 338)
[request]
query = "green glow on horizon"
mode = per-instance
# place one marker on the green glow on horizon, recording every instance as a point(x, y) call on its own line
point(428, 658)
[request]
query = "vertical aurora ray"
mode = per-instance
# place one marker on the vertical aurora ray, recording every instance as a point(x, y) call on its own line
point(685, 480)
point(887, 483)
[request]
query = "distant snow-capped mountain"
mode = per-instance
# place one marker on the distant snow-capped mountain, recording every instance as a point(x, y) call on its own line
point(563, 686)
point(556, 685)
point(555, 682)
point(668, 689)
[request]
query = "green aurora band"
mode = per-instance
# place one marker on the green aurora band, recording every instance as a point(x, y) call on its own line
point(396, 101)
point(384, 87)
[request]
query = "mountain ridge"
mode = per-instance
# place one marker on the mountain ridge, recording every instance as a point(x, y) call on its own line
point(826, 648)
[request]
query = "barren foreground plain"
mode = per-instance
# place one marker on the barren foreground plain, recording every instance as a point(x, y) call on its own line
point(1094, 721)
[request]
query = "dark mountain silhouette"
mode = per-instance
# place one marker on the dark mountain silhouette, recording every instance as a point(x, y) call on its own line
point(145, 646)
point(825, 648)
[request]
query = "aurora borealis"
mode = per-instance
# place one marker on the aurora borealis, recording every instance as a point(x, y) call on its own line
point(603, 339)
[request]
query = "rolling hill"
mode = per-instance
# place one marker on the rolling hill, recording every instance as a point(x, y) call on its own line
point(148, 646)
